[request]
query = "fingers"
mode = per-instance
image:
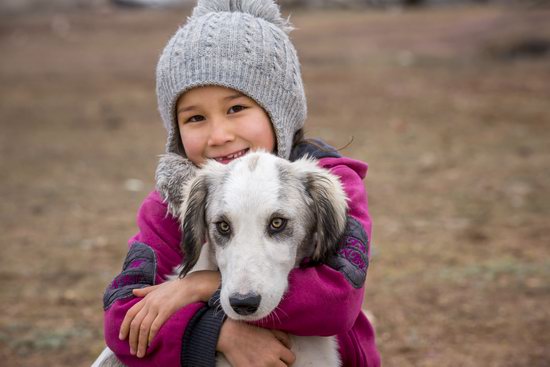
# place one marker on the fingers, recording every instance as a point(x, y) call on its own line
point(130, 315)
point(246, 345)
point(144, 330)
point(283, 338)
point(134, 333)
point(288, 357)
point(155, 327)
point(135, 327)
point(142, 292)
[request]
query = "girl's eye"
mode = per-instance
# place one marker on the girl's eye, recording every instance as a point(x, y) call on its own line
point(223, 228)
point(236, 109)
point(277, 225)
point(195, 118)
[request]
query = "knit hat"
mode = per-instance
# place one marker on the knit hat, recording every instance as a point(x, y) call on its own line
point(239, 44)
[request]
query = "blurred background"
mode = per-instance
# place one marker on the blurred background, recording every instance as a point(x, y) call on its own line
point(448, 102)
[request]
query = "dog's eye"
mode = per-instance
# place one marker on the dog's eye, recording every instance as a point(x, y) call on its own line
point(223, 227)
point(277, 224)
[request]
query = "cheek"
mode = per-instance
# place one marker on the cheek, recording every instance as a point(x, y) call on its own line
point(265, 139)
point(193, 144)
point(261, 134)
point(269, 140)
point(188, 136)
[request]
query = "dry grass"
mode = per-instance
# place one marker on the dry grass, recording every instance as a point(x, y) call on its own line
point(456, 134)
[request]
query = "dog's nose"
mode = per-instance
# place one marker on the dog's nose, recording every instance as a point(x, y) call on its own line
point(245, 304)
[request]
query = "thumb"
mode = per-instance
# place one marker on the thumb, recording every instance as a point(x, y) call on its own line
point(142, 292)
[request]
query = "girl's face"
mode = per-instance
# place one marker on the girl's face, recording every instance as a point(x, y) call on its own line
point(222, 124)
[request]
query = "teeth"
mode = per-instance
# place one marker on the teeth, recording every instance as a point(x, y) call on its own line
point(236, 155)
point(232, 156)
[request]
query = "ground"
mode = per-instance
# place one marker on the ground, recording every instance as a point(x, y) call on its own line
point(449, 106)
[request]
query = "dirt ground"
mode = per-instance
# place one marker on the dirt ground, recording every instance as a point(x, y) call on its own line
point(450, 107)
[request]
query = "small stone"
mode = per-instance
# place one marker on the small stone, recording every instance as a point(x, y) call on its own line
point(134, 185)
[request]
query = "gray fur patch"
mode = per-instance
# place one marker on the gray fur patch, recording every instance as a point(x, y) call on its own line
point(173, 172)
point(328, 232)
point(285, 234)
point(194, 226)
point(138, 271)
point(285, 180)
point(305, 250)
point(212, 184)
point(253, 163)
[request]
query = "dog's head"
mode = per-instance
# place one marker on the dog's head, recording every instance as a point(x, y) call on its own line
point(262, 215)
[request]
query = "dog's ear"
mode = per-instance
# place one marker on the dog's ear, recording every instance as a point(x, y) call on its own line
point(329, 204)
point(172, 175)
point(193, 222)
point(193, 212)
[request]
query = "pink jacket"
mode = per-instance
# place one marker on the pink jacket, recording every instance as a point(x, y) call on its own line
point(322, 299)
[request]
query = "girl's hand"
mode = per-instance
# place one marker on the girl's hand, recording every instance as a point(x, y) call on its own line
point(144, 319)
point(248, 345)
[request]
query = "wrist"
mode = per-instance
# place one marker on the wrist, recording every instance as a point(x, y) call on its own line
point(205, 283)
point(211, 286)
point(225, 336)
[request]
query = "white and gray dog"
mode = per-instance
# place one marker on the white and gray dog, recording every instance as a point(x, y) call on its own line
point(261, 216)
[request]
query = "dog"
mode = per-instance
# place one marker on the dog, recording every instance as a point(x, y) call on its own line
point(261, 216)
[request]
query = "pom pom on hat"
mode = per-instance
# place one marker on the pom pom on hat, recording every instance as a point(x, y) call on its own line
point(264, 9)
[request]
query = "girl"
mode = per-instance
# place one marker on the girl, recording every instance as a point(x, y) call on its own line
point(228, 83)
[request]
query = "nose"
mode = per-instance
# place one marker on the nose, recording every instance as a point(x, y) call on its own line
point(245, 304)
point(220, 132)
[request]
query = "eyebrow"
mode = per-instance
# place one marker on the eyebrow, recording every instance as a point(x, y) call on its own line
point(234, 96)
point(185, 109)
point(228, 98)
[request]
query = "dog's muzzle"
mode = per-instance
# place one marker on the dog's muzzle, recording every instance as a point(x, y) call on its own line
point(245, 304)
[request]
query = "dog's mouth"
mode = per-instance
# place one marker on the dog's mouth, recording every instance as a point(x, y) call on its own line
point(230, 157)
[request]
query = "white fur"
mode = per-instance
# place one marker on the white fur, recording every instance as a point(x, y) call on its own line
point(247, 193)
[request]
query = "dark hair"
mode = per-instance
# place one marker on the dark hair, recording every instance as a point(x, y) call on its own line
point(299, 138)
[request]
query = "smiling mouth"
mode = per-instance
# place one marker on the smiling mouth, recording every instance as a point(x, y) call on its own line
point(228, 158)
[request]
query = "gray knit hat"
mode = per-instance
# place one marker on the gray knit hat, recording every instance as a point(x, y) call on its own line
point(240, 44)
